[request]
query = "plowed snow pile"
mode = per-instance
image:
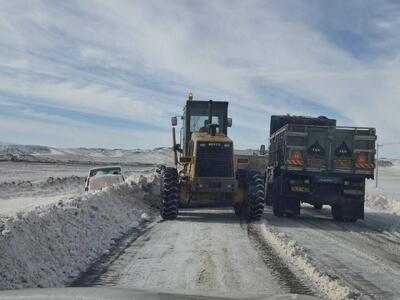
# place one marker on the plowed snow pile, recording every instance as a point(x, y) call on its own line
point(50, 245)
point(382, 203)
point(297, 256)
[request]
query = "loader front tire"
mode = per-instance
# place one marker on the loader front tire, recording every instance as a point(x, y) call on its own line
point(169, 188)
point(255, 195)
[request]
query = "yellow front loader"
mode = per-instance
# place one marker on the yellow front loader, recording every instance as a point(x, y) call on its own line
point(206, 171)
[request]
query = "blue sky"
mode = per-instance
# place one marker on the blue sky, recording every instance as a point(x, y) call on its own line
point(111, 73)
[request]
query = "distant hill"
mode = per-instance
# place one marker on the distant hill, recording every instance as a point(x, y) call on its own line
point(35, 153)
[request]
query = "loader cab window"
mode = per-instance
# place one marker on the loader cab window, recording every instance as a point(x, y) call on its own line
point(198, 117)
point(195, 116)
point(199, 123)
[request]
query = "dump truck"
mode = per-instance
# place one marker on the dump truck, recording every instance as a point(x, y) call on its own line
point(314, 161)
point(206, 172)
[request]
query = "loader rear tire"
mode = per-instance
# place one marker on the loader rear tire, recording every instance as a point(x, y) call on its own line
point(255, 195)
point(169, 188)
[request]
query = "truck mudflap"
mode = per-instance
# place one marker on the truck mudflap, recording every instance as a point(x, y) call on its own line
point(350, 211)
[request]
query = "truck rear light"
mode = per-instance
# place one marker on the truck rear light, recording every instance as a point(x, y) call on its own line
point(346, 182)
point(306, 181)
point(362, 161)
point(296, 158)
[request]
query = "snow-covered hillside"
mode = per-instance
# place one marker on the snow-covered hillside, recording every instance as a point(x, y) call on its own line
point(50, 154)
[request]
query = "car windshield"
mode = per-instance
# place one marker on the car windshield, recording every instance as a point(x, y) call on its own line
point(105, 171)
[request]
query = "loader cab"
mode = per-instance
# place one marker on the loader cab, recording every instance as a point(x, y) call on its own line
point(196, 118)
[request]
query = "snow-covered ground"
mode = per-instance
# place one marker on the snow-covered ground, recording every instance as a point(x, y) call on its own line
point(25, 171)
point(49, 245)
point(346, 260)
point(51, 231)
point(386, 197)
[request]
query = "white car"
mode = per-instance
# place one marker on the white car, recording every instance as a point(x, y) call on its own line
point(102, 177)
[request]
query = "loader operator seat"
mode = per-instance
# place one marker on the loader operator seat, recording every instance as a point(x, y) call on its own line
point(205, 127)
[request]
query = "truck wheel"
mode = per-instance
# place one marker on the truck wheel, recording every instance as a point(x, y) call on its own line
point(318, 206)
point(337, 212)
point(255, 195)
point(268, 194)
point(275, 199)
point(346, 212)
point(276, 208)
point(169, 193)
point(238, 208)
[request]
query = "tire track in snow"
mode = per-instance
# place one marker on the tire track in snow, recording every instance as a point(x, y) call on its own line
point(203, 250)
point(364, 259)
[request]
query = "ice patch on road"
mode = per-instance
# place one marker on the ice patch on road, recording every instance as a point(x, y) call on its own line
point(49, 246)
point(297, 256)
point(383, 203)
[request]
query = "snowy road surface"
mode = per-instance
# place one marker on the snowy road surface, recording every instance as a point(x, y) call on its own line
point(213, 250)
point(203, 250)
point(364, 255)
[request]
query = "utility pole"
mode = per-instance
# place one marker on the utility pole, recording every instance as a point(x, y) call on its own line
point(377, 165)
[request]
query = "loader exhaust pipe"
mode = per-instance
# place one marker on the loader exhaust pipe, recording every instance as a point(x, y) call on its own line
point(212, 129)
point(210, 112)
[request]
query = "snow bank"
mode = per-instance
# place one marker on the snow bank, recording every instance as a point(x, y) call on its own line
point(149, 184)
point(49, 246)
point(297, 256)
point(382, 203)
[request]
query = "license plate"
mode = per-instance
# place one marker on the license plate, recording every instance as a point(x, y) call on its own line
point(316, 162)
point(215, 185)
point(343, 163)
point(324, 179)
point(301, 189)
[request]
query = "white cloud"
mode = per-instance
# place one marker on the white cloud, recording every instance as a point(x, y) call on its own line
point(131, 59)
